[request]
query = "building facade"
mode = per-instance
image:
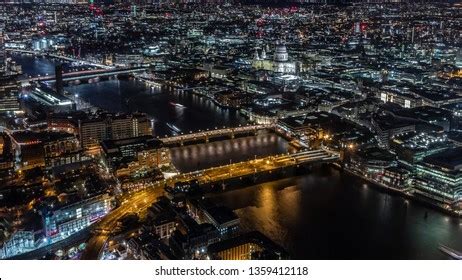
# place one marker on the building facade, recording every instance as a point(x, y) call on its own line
point(63, 221)
point(279, 64)
point(439, 177)
point(93, 131)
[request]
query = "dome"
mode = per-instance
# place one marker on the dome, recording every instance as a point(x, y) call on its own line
point(280, 53)
point(281, 48)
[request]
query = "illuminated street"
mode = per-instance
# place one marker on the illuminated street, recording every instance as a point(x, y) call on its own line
point(136, 203)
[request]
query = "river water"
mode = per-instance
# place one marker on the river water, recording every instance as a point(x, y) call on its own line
point(325, 214)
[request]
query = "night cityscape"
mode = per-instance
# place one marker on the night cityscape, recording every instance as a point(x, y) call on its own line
point(230, 130)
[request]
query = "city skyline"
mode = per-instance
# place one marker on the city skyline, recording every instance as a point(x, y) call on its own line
point(206, 130)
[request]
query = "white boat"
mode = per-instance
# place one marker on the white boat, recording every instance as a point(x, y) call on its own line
point(174, 128)
point(177, 105)
point(451, 252)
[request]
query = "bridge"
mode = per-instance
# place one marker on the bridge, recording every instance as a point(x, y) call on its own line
point(141, 200)
point(250, 167)
point(206, 135)
point(86, 74)
point(58, 56)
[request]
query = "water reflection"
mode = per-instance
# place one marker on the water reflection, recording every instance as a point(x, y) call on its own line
point(129, 95)
point(201, 156)
point(329, 215)
point(33, 66)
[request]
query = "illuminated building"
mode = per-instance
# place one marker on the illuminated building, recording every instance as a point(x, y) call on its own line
point(405, 100)
point(133, 10)
point(430, 115)
point(29, 149)
point(195, 32)
point(63, 151)
point(43, 44)
point(6, 157)
point(372, 162)
point(192, 238)
point(46, 149)
point(395, 177)
point(51, 99)
point(260, 116)
point(9, 90)
point(387, 126)
point(249, 246)
point(458, 61)
point(60, 221)
point(66, 122)
point(279, 64)
point(439, 176)
point(413, 147)
point(126, 60)
point(223, 218)
point(147, 246)
point(19, 242)
point(130, 155)
point(93, 131)
point(162, 218)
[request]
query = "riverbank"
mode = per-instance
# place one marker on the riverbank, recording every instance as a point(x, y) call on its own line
point(407, 193)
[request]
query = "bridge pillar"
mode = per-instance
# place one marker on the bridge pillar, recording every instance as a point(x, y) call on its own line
point(206, 138)
point(232, 134)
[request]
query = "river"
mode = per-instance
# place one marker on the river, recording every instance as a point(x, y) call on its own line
point(325, 214)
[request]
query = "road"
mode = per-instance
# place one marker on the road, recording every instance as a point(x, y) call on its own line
point(137, 203)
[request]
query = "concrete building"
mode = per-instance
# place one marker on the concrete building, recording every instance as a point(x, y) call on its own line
point(127, 157)
point(108, 127)
point(60, 221)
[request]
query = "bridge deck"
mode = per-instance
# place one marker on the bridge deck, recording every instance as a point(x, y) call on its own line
point(213, 133)
point(245, 168)
point(87, 74)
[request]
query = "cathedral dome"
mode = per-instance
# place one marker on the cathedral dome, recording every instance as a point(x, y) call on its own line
point(280, 53)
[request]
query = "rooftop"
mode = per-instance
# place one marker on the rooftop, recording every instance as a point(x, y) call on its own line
point(449, 159)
